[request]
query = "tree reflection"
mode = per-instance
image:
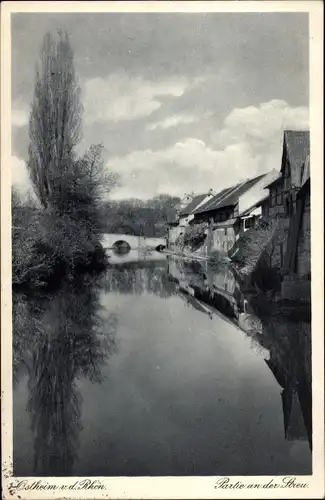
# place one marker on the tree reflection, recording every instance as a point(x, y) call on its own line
point(138, 278)
point(70, 339)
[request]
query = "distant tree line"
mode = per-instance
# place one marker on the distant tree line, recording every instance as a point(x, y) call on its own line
point(134, 216)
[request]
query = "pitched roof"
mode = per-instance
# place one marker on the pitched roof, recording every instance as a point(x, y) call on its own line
point(275, 181)
point(193, 204)
point(206, 206)
point(228, 197)
point(296, 146)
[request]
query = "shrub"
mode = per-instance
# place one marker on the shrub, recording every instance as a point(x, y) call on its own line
point(195, 235)
point(51, 248)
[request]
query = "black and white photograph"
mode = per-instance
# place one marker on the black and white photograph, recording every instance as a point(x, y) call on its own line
point(161, 258)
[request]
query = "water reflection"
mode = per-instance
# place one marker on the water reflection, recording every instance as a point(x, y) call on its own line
point(152, 409)
point(69, 338)
point(289, 360)
point(132, 278)
point(140, 255)
point(286, 339)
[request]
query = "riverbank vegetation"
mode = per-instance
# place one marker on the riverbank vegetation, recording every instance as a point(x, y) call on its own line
point(250, 257)
point(55, 234)
point(192, 238)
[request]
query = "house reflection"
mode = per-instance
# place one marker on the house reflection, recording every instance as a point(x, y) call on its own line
point(287, 340)
point(71, 339)
point(216, 287)
point(289, 345)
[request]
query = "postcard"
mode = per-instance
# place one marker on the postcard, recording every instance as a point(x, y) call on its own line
point(162, 250)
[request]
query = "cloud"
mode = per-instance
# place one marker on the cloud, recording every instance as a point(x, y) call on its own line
point(19, 114)
point(248, 143)
point(172, 121)
point(186, 166)
point(262, 124)
point(122, 97)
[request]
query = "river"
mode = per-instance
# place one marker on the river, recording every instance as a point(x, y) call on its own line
point(159, 367)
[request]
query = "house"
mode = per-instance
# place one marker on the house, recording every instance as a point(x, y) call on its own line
point(297, 264)
point(186, 213)
point(177, 224)
point(232, 211)
point(296, 148)
point(275, 198)
point(303, 264)
point(264, 205)
point(295, 404)
point(284, 203)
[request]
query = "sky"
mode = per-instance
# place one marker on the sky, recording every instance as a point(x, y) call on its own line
point(182, 102)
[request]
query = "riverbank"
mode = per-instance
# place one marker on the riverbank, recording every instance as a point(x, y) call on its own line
point(195, 256)
point(185, 255)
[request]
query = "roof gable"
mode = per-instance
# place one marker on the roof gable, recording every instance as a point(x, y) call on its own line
point(296, 148)
point(193, 204)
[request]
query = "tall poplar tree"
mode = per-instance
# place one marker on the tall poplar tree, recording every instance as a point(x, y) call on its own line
point(55, 121)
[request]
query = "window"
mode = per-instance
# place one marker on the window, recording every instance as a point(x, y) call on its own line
point(249, 223)
point(288, 206)
point(225, 231)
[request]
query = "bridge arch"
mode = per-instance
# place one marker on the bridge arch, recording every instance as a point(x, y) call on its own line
point(121, 247)
point(108, 241)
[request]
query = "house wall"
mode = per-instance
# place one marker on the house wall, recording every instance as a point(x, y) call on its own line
point(250, 221)
point(223, 238)
point(303, 250)
point(275, 210)
point(173, 234)
point(266, 209)
point(185, 220)
point(289, 191)
point(276, 200)
point(223, 214)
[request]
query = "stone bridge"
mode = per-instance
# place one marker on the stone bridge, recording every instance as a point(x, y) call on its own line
point(111, 241)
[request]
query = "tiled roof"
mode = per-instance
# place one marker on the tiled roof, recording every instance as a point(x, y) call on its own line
point(193, 204)
point(228, 197)
point(296, 144)
point(212, 201)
